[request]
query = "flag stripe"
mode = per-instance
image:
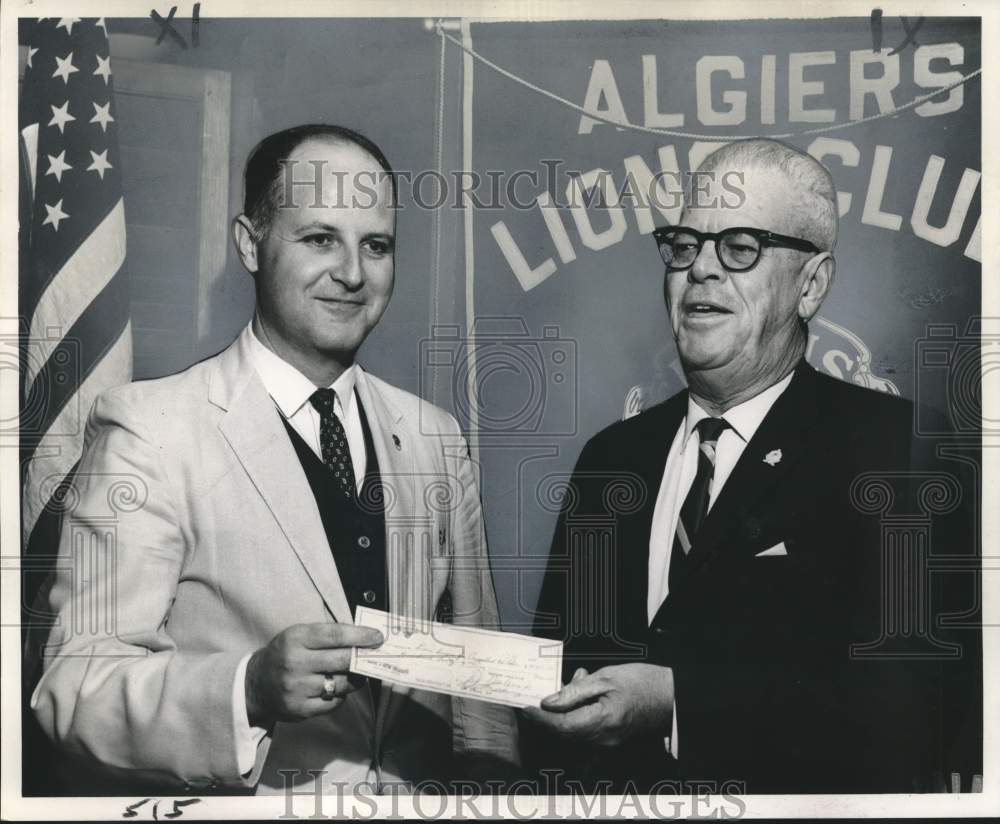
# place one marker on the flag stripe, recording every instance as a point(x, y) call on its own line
point(72, 361)
point(52, 253)
point(30, 135)
point(59, 448)
point(94, 263)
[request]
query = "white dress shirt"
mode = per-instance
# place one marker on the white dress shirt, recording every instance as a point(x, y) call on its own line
point(290, 390)
point(678, 475)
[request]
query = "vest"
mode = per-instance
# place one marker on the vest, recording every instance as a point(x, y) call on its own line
point(355, 527)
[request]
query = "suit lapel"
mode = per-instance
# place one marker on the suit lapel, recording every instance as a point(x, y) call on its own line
point(648, 451)
point(776, 448)
point(254, 431)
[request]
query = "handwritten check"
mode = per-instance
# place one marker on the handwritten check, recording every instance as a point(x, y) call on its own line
point(501, 667)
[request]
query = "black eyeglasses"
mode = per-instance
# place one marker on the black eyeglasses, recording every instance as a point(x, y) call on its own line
point(738, 248)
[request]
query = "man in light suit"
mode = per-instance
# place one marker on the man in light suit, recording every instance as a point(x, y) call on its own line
point(746, 572)
point(270, 491)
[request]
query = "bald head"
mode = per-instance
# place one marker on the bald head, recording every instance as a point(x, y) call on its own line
point(803, 181)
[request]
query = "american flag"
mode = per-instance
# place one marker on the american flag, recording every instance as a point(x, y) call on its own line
point(76, 338)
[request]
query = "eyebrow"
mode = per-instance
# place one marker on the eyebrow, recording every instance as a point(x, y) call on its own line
point(319, 225)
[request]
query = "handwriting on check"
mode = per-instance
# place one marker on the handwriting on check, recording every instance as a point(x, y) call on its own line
point(501, 667)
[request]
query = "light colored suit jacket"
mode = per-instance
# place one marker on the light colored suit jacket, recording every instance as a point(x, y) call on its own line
point(192, 537)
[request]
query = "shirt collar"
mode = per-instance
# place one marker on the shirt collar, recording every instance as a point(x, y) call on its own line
point(287, 386)
point(745, 418)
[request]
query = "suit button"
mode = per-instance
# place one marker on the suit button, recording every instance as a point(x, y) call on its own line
point(187, 787)
point(369, 596)
point(658, 630)
point(214, 785)
point(364, 542)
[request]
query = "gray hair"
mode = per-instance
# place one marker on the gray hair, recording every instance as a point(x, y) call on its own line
point(814, 217)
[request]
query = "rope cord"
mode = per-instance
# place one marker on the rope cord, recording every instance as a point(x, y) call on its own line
point(917, 101)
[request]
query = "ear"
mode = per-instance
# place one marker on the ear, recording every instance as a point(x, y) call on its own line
point(246, 246)
point(818, 274)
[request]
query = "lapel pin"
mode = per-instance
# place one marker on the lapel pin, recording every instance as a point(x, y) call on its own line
point(395, 440)
point(773, 457)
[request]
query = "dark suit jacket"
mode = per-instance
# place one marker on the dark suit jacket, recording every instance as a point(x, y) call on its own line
point(768, 693)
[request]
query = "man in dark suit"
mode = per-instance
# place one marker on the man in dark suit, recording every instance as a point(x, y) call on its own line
point(744, 573)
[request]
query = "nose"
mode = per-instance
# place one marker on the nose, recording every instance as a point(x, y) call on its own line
point(707, 265)
point(347, 269)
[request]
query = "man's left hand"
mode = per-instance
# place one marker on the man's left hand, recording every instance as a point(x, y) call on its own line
point(610, 705)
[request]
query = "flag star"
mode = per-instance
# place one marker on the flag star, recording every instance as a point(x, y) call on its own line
point(100, 164)
point(56, 214)
point(58, 165)
point(31, 53)
point(102, 115)
point(65, 67)
point(103, 67)
point(61, 116)
point(67, 23)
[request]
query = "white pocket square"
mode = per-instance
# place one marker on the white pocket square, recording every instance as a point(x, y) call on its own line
point(777, 549)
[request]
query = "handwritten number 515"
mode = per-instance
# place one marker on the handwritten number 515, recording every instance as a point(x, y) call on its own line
point(131, 811)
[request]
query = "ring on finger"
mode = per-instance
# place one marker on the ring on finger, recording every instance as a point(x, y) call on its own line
point(329, 688)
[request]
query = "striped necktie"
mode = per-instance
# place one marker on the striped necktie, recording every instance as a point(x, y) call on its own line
point(695, 505)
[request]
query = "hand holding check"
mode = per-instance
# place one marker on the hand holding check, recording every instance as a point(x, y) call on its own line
point(303, 671)
point(610, 705)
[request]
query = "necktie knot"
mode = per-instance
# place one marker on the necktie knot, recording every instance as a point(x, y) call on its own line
point(710, 429)
point(323, 400)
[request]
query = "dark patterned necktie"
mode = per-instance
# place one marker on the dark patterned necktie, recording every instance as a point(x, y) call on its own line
point(333, 441)
point(695, 505)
